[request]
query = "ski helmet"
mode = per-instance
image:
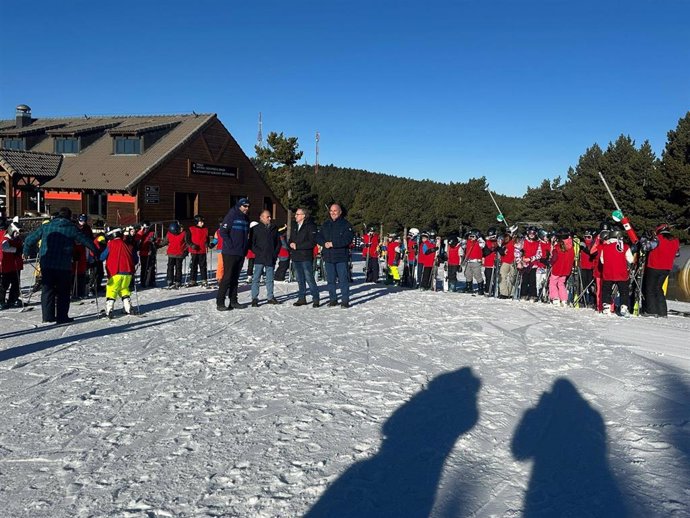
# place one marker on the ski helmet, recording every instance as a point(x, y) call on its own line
point(413, 232)
point(174, 228)
point(424, 234)
point(512, 229)
point(113, 232)
point(14, 228)
point(563, 233)
point(145, 225)
point(590, 232)
point(82, 218)
point(664, 228)
point(492, 233)
point(198, 219)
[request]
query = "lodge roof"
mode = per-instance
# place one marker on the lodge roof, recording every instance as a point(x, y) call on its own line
point(96, 166)
point(30, 163)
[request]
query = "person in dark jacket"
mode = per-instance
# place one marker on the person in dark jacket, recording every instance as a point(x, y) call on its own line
point(302, 241)
point(58, 238)
point(265, 245)
point(234, 230)
point(335, 236)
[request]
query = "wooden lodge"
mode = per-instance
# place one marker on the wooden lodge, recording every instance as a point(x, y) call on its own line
point(122, 170)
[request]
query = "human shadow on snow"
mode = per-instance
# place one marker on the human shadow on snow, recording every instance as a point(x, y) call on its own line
point(42, 345)
point(401, 480)
point(566, 440)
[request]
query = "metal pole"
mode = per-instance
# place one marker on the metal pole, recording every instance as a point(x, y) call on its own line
point(609, 191)
point(497, 207)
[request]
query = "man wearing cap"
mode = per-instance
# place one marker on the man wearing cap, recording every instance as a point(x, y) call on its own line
point(234, 230)
point(663, 249)
point(58, 238)
point(335, 236)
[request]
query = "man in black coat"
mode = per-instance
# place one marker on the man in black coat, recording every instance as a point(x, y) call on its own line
point(302, 242)
point(335, 236)
point(265, 245)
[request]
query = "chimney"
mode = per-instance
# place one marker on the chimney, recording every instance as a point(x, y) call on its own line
point(23, 116)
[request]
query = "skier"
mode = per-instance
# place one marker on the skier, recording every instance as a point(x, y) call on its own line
point(662, 250)
point(542, 264)
point(144, 240)
point(455, 252)
point(370, 244)
point(120, 259)
point(587, 264)
point(250, 254)
point(615, 257)
point(393, 259)
point(528, 264)
point(489, 259)
point(562, 261)
point(473, 261)
point(176, 242)
point(427, 256)
point(507, 271)
point(11, 264)
point(198, 247)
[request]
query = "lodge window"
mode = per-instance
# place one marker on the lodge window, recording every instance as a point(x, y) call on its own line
point(185, 205)
point(18, 144)
point(127, 146)
point(97, 204)
point(66, 145)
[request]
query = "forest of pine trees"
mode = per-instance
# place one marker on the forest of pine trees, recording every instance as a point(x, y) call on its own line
point(649, 190)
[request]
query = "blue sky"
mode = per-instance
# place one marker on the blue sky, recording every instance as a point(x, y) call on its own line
point(512, 90)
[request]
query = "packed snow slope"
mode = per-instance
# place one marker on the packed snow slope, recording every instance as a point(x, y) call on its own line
point(407, 404)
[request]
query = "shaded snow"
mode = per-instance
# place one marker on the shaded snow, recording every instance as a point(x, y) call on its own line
point(406, 404)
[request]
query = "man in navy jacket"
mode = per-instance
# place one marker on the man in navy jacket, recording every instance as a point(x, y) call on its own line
point(235, 233)
point(335, 236)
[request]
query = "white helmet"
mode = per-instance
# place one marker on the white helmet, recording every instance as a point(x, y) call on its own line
point(15, 228)
point(413, 232)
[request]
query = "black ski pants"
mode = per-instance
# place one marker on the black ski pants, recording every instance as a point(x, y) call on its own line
point(55, 294)
point(529, 283)
point(488, 275)
point(372, 269)
point(198, 263)
point(9, 281)
point(148, 271)
point(174, 273)
point(453, 276)
point(282, 269)
point(232, 266)
point(426, 278)
point(654, 302)
point(623, 292)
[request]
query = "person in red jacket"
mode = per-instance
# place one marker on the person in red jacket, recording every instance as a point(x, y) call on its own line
point(120, 260)
point(507, 273)
point(454, 251)
point(562, 261)
point(176, 240)
point(427, 256)
point(283, 255)
point(531, 253)
point(370, 246)
point(145, 244)
point(663, 249)
point(11, 264)
point(198, 247)
point(250, 254)
point(393, 251)
point(473, 261)
point(489, 260)
point(587, 263)
point(615, 257)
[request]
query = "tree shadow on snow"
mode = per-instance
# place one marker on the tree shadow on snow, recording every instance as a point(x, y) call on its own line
point(566, 440)
point(401, 480)
point(42, 345)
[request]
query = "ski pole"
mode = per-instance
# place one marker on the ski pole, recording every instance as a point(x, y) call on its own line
point(618, 215)
point(500, 216)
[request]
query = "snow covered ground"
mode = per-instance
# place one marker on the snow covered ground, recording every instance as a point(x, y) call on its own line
point(407, 404)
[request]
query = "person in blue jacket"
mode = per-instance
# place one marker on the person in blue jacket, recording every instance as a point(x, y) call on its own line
point(235, 233)
point(57, 238)
point(335, 236)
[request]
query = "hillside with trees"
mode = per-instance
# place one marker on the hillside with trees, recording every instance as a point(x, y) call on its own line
point(649, 189)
